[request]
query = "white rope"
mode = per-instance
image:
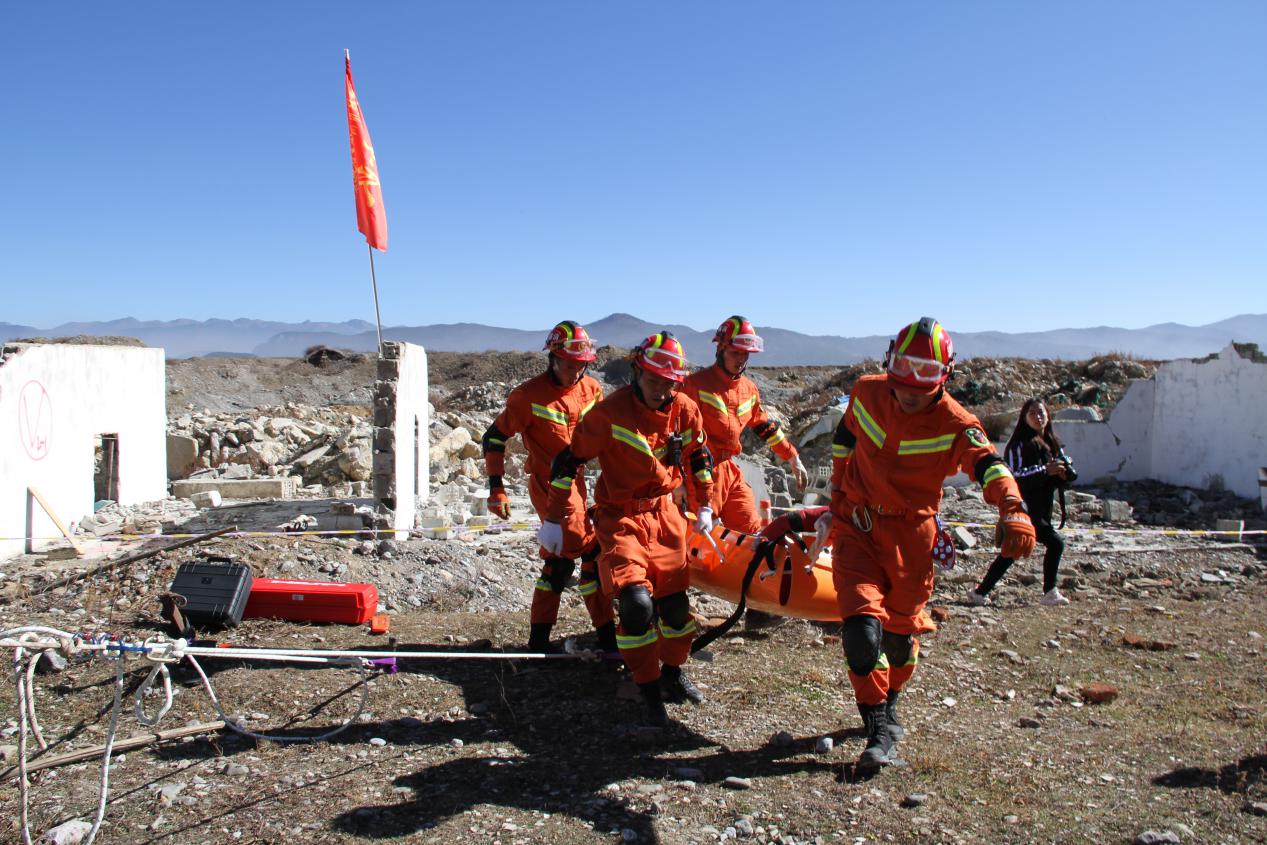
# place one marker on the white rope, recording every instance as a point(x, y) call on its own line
point(233, 725)
point(29, 642)
point(159, 670)
point(19, 676)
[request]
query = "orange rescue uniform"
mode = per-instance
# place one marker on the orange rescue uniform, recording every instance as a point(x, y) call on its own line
point(546, 414)
point(641, 530)
point(730, 404)
point(888, 467)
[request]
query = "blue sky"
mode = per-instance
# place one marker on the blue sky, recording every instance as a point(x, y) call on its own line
point(833, 167)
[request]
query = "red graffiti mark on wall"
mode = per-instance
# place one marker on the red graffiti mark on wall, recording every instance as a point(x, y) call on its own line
point(35, 420)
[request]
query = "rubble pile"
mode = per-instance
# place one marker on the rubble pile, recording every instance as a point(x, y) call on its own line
point(329, 449)
point(165, 516)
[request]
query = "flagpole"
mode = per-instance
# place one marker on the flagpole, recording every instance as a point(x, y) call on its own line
point(378, 320)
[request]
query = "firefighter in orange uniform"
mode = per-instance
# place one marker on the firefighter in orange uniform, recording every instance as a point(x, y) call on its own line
point(546, 411)
point(649, 440)
point(730, 403)
point(901, 436)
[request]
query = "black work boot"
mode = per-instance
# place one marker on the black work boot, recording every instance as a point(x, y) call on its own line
point(896, 732)
point(678, 689)
point(656, 715)
point(879, 750)
point(539, 638)
point(607, 637)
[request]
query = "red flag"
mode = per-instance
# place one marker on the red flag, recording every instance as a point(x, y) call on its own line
point(371, 216)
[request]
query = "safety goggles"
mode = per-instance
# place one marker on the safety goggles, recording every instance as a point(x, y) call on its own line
point(664, 359)
point(920, 370)
point(748, 342)
point(577, 346)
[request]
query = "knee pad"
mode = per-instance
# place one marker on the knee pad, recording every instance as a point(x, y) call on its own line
point(636, 610)
point(556, 572)
point(861, 638)
point(897, 647)
point(675, 610)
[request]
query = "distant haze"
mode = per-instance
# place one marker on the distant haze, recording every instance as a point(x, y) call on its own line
point(187, 338)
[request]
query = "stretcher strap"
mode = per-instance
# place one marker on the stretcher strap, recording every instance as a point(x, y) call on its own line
point(764, 552)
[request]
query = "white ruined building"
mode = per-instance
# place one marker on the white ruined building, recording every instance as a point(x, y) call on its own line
point(401, 427)
point(1197, 423)
point(78, 424)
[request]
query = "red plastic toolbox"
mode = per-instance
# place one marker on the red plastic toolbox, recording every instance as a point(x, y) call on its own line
point(311, 601)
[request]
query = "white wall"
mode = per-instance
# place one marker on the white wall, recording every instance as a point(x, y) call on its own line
point(1119, 447)
point(412, 479)
point(1211, 419)
point(1190, 422)
point(54, 400)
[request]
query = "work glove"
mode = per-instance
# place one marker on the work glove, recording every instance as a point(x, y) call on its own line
point(943, 548)
point(550, 536)
point(799, 474)
point(499, 503)
point(822, 534)
point(1014, 534)
point(704, 520)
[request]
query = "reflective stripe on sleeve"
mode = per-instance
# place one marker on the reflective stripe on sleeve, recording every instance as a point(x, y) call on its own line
point(869, 426)
point(549, 414)
point(928, 445)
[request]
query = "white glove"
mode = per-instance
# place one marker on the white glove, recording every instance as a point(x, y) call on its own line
point(822, 535)
point(550, 536)
point(704, 520)
point(799, 474)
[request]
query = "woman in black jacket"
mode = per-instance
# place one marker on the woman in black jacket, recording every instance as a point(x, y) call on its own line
point(1040, 465)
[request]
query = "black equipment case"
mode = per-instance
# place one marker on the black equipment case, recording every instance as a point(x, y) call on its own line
point(215, 593)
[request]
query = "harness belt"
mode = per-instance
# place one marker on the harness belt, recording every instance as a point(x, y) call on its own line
point(647, 504)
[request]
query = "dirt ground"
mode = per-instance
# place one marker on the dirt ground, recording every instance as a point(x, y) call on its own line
point(451, 750)
point(1002, 745)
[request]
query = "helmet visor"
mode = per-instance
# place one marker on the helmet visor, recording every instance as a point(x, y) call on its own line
point(919, 370)
point(578, 349)
point(666, 362)
point(748, 342)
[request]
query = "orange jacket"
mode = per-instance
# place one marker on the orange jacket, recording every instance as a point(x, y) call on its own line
point(891, 460)
point(629, 440)
point(730, 405)
point(545, 413)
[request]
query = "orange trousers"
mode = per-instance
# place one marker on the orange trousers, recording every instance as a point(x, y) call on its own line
point(733, 497)
point(580, 541)
point(885, 572)
point(648, 550)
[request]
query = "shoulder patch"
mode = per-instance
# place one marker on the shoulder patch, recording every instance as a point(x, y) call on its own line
point(976, 437)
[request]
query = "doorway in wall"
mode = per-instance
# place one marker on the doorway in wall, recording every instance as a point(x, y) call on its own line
point(105, 474)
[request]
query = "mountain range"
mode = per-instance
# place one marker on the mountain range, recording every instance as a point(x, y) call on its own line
point(188, 338)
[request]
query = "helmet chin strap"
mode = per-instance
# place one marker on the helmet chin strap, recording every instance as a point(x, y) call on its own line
point(721, 363)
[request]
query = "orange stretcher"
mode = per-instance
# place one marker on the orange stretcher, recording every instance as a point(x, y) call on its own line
point(795, 586)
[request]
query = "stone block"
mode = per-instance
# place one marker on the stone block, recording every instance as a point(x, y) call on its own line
point(206, 499)
point(1236, 525)
point(385, 439)
point(963, 537)
point(384, 417)
point(388, 369)
point(1116, 511)
point(384, 463)
point(247, 488)
point(235, 472)
point(390, 349)
point(182, 452)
